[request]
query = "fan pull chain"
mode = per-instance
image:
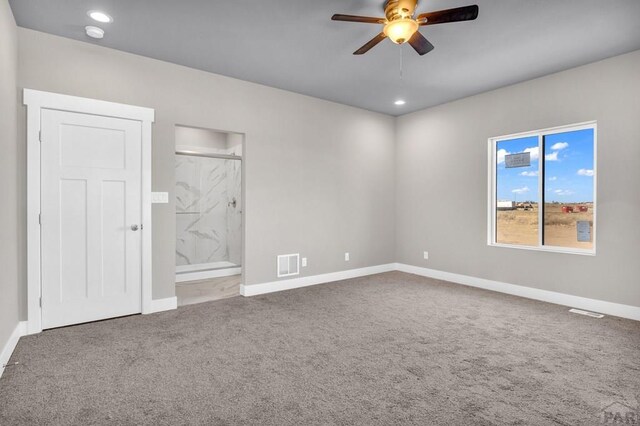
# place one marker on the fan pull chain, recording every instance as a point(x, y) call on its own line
point(401, 61)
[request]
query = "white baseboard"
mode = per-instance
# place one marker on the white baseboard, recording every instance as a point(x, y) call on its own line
point(255, 289)
point(609, 308)
point(10, 345)
point(160, 305)
point(601, 306)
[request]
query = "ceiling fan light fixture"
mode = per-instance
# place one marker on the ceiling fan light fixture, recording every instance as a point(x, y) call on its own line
point(400, 30)
point(400, 27)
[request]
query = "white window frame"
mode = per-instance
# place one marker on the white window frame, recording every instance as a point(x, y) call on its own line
point(492, 192)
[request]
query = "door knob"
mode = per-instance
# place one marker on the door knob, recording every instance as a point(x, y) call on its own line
point(134, 227)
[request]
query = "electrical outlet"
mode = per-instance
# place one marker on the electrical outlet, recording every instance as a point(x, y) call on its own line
point(304, 262)
point(346, 257)
point(426, 255)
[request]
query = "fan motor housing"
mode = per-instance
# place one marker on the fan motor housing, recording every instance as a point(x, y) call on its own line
point(398, 9)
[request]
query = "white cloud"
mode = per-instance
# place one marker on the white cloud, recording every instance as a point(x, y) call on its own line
point(560, 145)
point(552, 157)
point(585, 172)
point(553, 178)
point(563, 192)
point(529, 174)
point(520, 190)
point(501, 154)
point(535, 152)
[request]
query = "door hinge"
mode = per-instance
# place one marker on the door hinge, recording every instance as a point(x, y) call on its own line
point(40, 302)
point(40, 136)
point(39, 218)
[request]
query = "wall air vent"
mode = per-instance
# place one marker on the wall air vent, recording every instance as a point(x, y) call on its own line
point(288, 265)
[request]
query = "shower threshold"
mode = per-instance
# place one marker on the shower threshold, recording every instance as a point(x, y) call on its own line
point(204, 271)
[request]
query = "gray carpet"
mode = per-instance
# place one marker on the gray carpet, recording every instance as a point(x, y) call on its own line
point(381, 350)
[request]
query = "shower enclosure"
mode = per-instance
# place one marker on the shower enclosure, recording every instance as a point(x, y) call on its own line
point(208, 215)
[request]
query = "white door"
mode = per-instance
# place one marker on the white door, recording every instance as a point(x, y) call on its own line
point(91, 214)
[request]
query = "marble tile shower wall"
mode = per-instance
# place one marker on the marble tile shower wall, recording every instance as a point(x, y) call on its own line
point(208, 226)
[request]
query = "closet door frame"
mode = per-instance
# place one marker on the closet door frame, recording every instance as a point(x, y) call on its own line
point(36, 101)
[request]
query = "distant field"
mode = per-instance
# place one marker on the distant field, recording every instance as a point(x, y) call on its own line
point(521, 227)
point(560, 228)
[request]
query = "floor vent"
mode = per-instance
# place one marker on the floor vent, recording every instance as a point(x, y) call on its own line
point(587, 313)
point(288, 265)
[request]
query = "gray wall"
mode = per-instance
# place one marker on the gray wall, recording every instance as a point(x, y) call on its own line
point(189, 137)
point(10, 251)
point(319, 179)
point(442, 181)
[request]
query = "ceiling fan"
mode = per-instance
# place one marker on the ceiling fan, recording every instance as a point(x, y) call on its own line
point(401, 27)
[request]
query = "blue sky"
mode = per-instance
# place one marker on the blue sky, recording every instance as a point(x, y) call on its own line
point(568, 174)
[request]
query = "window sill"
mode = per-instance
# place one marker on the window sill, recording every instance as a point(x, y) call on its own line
point(550, 249)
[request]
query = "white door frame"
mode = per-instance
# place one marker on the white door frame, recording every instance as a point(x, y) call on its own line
point(36, 101)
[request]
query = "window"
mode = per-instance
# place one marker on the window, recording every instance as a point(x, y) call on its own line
point(542, 189)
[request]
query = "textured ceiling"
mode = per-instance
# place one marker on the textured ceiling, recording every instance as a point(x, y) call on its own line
point(293, 44)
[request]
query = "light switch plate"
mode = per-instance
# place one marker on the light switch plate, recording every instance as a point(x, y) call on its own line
point(426, 255)
point(304, 262)
point(159, 198)
point(346, 257)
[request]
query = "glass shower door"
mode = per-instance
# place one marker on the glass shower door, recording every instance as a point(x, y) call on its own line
point(208, 213)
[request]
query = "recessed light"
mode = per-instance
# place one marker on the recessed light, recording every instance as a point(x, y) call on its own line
point(94, 32)
point(400, 102)
point(96, 15)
